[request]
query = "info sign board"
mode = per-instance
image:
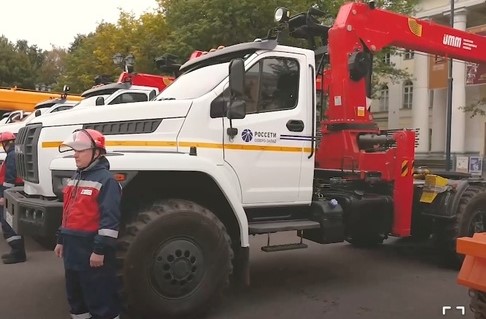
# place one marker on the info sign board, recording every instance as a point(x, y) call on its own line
point(475, 165)
point(462, 164)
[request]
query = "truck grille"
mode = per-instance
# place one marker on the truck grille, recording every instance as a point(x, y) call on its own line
point(26, 156)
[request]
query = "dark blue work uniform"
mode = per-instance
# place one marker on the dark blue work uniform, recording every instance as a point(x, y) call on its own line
point(90, 224)
point(8, 179)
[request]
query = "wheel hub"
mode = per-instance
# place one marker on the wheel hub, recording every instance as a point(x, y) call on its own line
point(177, 267)
point(478, 223)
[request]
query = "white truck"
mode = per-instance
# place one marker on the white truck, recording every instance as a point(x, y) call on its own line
point(118, 93)
point(196, 182)
point(14, 116)
point(43, 108)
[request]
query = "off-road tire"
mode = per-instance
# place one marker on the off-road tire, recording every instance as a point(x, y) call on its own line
point(471, 206)
point(478, 303)
point(175, 261)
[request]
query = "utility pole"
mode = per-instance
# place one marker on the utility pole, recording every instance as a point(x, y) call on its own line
point(449, 100)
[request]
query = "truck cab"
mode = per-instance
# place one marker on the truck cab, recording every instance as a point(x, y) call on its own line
point(119, 93)
point(130, 87)
point(14, 116)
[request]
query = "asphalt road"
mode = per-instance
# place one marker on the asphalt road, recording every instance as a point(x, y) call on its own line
point(395, 281)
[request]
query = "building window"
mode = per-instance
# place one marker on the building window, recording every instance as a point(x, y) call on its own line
point(408, 55)
point(384, 98)
point(386, 58)
point(407, 94)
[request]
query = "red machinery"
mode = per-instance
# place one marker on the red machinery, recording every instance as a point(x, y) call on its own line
point(352, 145)
point(143, 79)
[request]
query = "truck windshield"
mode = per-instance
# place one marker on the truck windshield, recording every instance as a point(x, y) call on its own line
point(89, 101)
point(195, 83)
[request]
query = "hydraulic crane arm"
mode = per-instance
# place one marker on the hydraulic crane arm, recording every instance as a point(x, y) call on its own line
point(379, 28)
point(361, 30)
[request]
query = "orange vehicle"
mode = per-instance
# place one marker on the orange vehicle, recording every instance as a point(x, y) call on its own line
point(15, 99)
point(473, 271)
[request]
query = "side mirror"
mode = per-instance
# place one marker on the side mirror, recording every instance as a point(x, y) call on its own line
point(237, 78)
point(66, 88)
point(37, 113)
point(100, 100)
point(237, 110)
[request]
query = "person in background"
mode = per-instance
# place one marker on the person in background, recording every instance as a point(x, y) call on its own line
point(8, 179)
point(87, 236)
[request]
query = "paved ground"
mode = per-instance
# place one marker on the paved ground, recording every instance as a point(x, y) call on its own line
point(333, 281)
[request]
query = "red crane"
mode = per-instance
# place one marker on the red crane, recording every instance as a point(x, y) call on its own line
point(352, 143)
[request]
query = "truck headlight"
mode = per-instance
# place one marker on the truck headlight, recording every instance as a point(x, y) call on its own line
point(59, 181)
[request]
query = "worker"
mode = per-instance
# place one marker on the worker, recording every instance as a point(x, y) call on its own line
point(87, 236)
point(8, 179)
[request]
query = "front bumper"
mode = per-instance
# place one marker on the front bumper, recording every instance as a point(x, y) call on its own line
point(33, 216)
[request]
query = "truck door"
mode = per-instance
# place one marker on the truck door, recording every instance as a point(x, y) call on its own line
point(274, 137)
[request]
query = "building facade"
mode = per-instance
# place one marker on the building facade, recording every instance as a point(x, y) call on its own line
point(421, 102)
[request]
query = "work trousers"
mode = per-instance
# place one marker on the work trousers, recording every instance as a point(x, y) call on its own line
point(13, 239)
point(93, 293)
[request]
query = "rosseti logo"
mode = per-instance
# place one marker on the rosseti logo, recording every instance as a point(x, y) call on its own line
point(247, 135)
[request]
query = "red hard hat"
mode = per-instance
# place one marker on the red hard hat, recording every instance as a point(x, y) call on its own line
point(82, 140)
point(7, 136)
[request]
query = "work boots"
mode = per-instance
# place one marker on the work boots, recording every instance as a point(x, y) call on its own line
point(17, 254)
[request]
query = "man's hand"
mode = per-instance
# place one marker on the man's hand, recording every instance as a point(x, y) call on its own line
point(58, 250)
point(2, 201)
point(96, 260)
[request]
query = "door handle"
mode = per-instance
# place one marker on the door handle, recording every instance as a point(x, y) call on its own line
point(295, 125)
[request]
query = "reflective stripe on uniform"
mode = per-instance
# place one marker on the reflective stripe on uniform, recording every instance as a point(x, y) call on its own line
point(81, 316)
point(13, 238)
point(5, 184)
point(82, 183)
point(108, 232)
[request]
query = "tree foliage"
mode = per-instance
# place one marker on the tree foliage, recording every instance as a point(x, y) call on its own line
point(476, 108)
point(178, 27)
point(91, 55)
point(20, 63)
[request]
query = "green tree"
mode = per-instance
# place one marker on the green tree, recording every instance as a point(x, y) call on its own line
point(19, 63)
point(196, 25)
point(91, 55)
point(201, 25)
point(7, 56)
point(52, 67)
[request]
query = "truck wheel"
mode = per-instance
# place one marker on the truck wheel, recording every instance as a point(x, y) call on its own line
point(478, 303)
point(471, 214)
point(470, 219)
point(175, 260)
